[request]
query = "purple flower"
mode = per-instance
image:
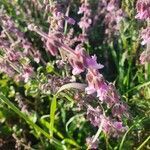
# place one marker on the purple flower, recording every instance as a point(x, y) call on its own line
point(69, 20)
point(145, 57)
point(102, 92)
point(95, 81)
point(118, 125)
point(92, 63)
point(91, 144)
point(84, 9)
point(93, 115)
point(112, 5)
point(118, 128)
point(28, 71)
point(13, 56)
point(77, 61)
point(52, 48)
point(85, 23)
point(106, 126)
point(119, 109)
point(143, 9)
point(145, 36)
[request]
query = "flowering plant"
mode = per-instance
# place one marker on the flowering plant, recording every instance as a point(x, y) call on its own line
point(52, 77)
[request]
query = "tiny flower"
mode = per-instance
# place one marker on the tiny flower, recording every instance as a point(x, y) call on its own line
point(51, 48)
point(118, 128)
point(143, 9)
point(145, 57)
point(145, 36)
point(102, 92)
point(111, 5)
point(95, 81)
point(85, 23)
point(28, 71)
point(119, 110)
point(118, 125)
point(69, 20)
point(93, 115)
point(90, 90)
point(91, 144)
point(92, 63)
point(106, 124)
point(37, 56)
point(84, 9)
point(77, 60)
point(13, 56)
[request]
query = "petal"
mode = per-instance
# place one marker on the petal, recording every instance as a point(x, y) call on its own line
point(90, 90)
point(92, 63)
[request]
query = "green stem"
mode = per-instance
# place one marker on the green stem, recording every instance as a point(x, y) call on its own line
point(147, 139)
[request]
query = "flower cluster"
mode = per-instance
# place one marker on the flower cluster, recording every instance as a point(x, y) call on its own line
point(143, 9)
point(145, 57)
point(109, 124)
point(143, 13)
point(85, 21)
point(91, 144)
point(145, 36)
point(15, 51)
point(106, 92)
point(112, 14)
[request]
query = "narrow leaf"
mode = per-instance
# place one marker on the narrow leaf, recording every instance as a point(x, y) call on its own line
point(52, 114)
point(80, 86)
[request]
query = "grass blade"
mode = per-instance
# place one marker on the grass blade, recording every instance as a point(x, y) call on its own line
point(147, 139)
point(52, 114)
point(124, 137)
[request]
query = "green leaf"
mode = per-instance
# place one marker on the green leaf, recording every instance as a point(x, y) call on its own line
point(52, 114)
point(80, 86)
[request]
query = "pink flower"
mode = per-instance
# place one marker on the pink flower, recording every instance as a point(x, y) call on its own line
point(69, 20)
point(85, 23)
point(111, 5)
point(106, 124)
point(92, 63)
point(102, 92)
point(143, 9)
point(37, 56)
point(145, 57)
point(118, 128)
point(118, 125)
point(28, 71)
point(145, 36)
point(105, 92)
point(95, 81)
point(118, 110)
point(51, 48)
point(13, 56)
point(90, 89)
point(93, 115)
point(84, 9)
point(77, 60)
point(89, 142)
